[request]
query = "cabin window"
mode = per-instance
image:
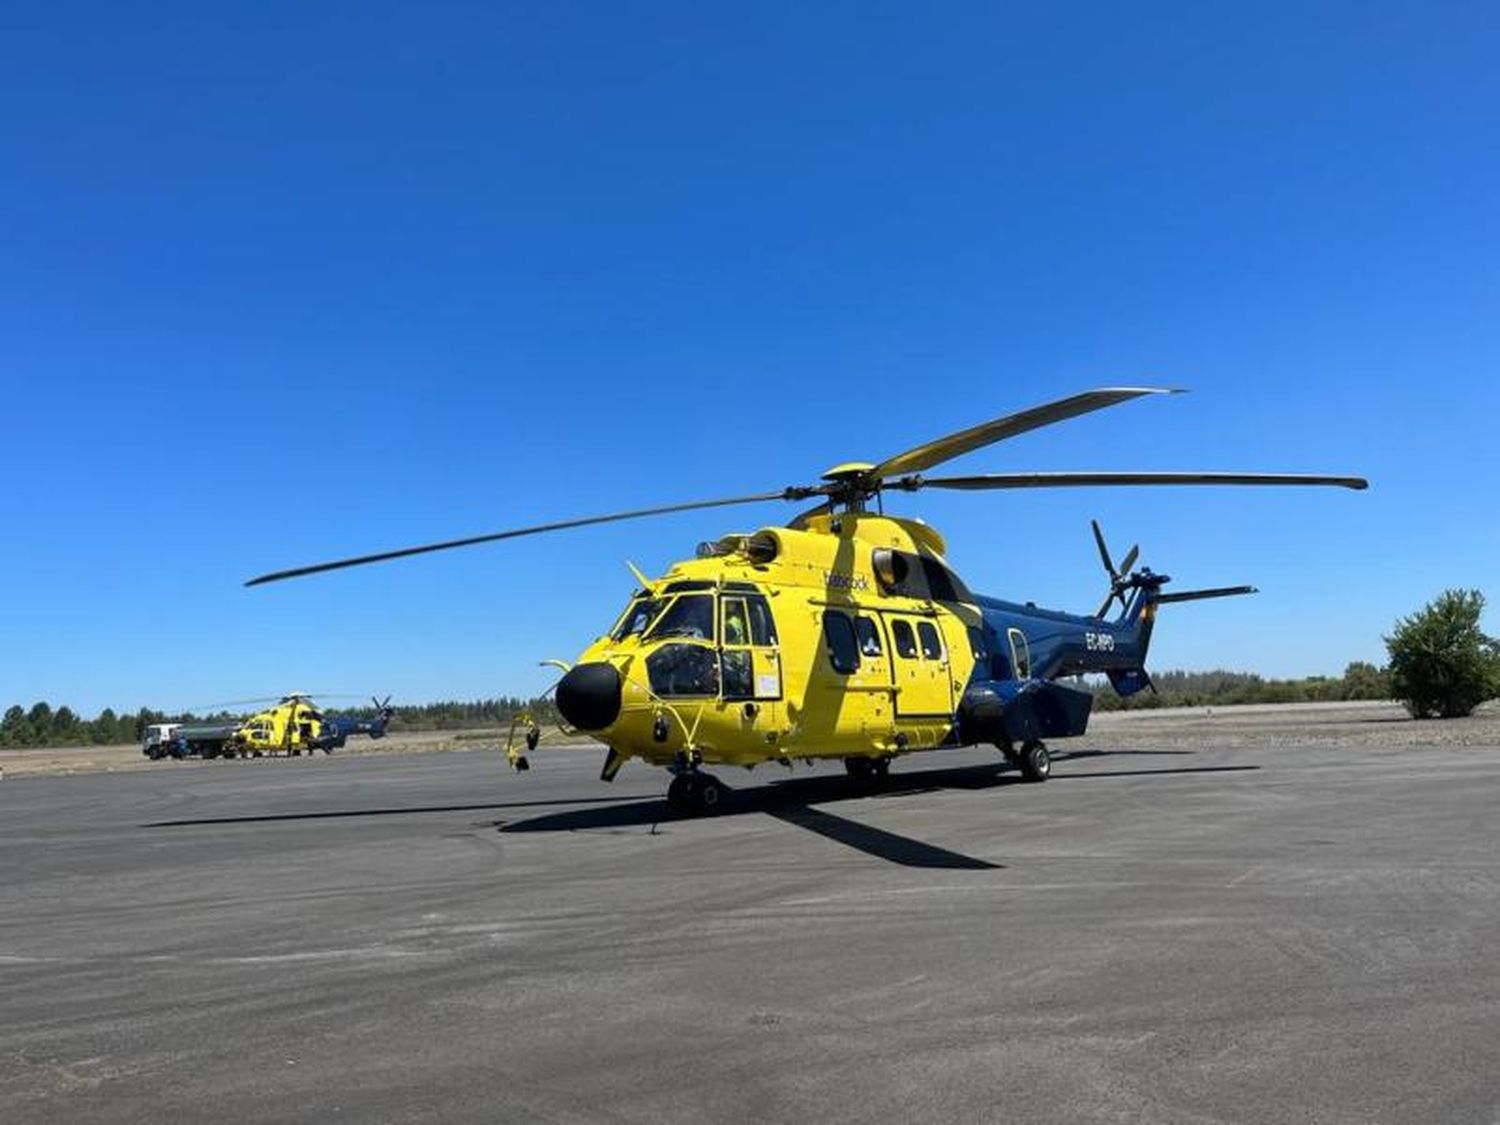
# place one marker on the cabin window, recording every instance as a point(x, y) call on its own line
point(932, 647)
point(869, 636)
point(1020, 654)
point(978, 644)
point(691, 615)
point(838, 638)
point(762, 624)
point(904, 639)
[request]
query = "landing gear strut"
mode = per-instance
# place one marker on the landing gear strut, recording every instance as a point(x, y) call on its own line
point(695, 793)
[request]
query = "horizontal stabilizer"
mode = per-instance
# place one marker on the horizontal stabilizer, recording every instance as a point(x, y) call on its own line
point(1199, 595)
point(1128, 681)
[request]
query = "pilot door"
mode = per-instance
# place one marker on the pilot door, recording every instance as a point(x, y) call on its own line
point(750, 660)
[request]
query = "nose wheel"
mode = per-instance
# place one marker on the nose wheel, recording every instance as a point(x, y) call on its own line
point(696, 794)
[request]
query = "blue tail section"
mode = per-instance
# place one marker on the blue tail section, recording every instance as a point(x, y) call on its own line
point(1013, 695)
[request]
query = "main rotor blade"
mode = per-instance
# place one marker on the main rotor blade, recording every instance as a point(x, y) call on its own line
point(1129, 560)
point(202, 708)
point(561, 525)
point(998, 429)
point(1076, 480)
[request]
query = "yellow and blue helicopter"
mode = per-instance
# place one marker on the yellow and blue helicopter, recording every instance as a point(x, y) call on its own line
point(846, 634)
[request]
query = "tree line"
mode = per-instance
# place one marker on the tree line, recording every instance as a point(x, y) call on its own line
point(1361, 680)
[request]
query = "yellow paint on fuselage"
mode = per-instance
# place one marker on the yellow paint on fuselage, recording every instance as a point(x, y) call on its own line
point(803, 707)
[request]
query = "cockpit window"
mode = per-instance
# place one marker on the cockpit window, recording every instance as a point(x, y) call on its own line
point(638, 615)
point(691, 615)
point(735, 632)
point(762, 625)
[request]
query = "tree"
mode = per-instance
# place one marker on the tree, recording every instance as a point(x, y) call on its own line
point(1441, 663)
point(105, 728)
point(13, 728)
point(64, 728)
point(1362, 680)
point(38, 724)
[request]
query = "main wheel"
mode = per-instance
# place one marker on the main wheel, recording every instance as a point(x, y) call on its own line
point(1036, 763)
point(860, 769)
point(677, 792)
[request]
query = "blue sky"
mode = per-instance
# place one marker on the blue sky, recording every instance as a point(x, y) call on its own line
point(287, 282)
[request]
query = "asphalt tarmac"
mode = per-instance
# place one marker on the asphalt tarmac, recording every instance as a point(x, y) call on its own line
point(1289, 932)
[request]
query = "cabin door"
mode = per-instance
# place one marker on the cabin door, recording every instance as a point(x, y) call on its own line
point(920, 661)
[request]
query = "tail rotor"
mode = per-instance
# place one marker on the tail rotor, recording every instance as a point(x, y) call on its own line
point(1119, 579)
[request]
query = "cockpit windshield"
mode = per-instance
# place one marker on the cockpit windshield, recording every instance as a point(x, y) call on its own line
point(691, 615)
point(637, 617)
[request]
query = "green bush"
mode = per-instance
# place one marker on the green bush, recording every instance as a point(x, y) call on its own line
point(1441, 664)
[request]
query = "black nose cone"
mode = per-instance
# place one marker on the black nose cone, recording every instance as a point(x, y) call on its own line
point(589, 696)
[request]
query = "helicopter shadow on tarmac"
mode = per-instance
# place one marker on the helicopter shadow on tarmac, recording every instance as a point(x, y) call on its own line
point(792, 801)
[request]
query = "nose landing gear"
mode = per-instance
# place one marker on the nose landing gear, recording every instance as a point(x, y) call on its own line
point(867, 771)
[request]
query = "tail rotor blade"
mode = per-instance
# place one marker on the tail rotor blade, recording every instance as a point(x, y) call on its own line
point(1103, 551)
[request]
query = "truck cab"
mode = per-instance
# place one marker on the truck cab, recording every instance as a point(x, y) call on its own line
point(160, 739)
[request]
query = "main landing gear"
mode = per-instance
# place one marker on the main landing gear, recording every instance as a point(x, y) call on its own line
point(1032, 759)
point(695, 793)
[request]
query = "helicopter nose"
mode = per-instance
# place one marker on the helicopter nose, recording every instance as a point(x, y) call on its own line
point(588, 696)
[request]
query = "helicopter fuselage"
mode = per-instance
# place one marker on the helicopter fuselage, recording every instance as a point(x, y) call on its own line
point(848, 637)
